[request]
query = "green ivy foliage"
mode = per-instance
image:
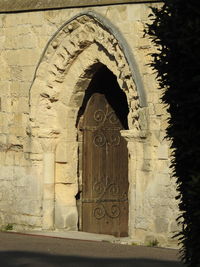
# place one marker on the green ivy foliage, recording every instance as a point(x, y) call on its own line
point(175, 30)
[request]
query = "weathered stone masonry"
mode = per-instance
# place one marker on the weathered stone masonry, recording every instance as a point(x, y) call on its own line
point(47, 61)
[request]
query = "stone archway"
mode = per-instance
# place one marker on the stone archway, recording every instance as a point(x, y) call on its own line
point(63, 74)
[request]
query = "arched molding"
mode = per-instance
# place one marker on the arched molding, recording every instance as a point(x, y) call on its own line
point(66, 67)
point(112, 30)
point(65, 70)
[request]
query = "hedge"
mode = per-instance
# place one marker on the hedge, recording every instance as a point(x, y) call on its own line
point(175, 30)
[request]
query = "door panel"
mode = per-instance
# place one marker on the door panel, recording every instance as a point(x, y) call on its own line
point(105, 170)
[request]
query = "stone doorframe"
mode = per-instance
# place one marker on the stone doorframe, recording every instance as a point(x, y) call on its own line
point(63, 74)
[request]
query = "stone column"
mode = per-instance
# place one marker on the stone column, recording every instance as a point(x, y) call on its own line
point(134, 142)
point(48, 184)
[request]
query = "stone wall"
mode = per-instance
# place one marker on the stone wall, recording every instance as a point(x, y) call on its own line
point(47, 61)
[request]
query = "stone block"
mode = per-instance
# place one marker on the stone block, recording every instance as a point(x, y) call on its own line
point(20, 105)
point(72, 166)
point(155, 138)
point(5, 88)
point(147, 165)
point(28, 206)
point(22, 57)
point(160, 109)
point(162, 178)
point(174, 227)
point(161, 225)
point(6, 104)
point(147, 151)
point(19, 19)
point(162, 166)
point(17, 158)
point(48, 215)
point(9, 160)
point(25, 160)
point(36, 146)
point(48, 30)
point(19, 89)
point(5, 69)
point(72, 173)
point(151, 109)
point(2, 158)
point(143, 118)
point(65, 194)
point(61, 173)
point(2, 42)
point(113, 14)
point(27, 73)
point(63, 119)
point(29, 41)
point(6, 173)
point(25, 222)
point(122, 10)
point(153, 97)
point(154, 124)
point(18, 119)
point(3, 139)
point(32, 145)
point(48, 191)
point(61, 152)
point(18, 131)
point(141, 223)
point(34, 221)
point(27, 145)
point(12, 42)
point(138, 12)
point(1, 21)
point(66, 217)
point(163, 152)
point(70, 134)
point(163, 137)
point(164, 124)
point(19, 176)
point(36, 156)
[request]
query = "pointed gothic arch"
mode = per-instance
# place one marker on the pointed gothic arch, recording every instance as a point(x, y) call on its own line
point(69, 62)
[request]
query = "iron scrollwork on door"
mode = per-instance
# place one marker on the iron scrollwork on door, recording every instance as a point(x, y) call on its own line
point(100, 139)
point(110, 134)
point(101, 189)
point(101, 116)
point(112, 189)
point(100, 211)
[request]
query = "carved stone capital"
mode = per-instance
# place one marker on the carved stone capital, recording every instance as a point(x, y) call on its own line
point(129, 135)
point(48, 144)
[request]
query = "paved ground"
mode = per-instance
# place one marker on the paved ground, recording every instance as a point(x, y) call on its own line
point(29, 250)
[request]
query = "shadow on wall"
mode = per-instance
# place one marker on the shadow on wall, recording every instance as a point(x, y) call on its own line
point(18, 258)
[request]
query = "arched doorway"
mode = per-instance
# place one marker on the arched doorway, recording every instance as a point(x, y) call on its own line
point(62, 84)
point(104, 198)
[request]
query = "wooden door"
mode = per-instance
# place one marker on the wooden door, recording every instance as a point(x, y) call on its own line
point(105, 170)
